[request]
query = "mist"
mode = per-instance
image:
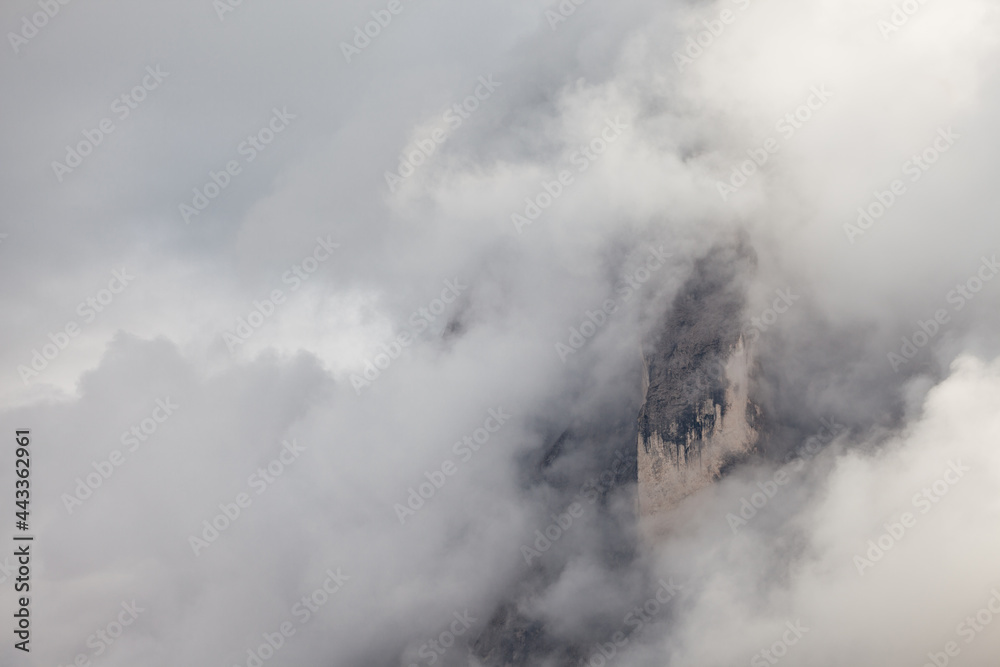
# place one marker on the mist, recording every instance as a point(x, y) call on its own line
point(331, 348)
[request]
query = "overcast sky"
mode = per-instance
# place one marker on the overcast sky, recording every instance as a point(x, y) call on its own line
point(240, 235)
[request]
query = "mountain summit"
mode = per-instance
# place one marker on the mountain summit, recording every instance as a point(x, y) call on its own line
point(699, 416)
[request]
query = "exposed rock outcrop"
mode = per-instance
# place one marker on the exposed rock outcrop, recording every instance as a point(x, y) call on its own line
point(699, 416)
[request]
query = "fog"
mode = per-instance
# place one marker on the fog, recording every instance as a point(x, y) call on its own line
point(380, 297)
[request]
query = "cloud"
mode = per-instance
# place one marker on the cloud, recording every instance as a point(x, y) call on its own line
point(882, 552)
point(615, 154)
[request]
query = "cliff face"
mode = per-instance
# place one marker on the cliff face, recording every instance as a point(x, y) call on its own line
point(698, 416)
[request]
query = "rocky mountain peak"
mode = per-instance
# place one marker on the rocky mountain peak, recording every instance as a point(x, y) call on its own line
point(699, 416)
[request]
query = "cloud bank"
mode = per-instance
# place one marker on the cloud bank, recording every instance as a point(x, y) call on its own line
point(334, 401)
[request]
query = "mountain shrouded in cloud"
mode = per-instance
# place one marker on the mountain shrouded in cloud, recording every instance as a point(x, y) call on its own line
point(699, 415)
point(287, 410)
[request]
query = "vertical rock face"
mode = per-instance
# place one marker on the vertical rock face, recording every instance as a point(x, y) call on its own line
point(698, 416)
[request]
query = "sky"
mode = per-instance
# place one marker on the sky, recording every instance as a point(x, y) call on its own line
point(265, 270)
